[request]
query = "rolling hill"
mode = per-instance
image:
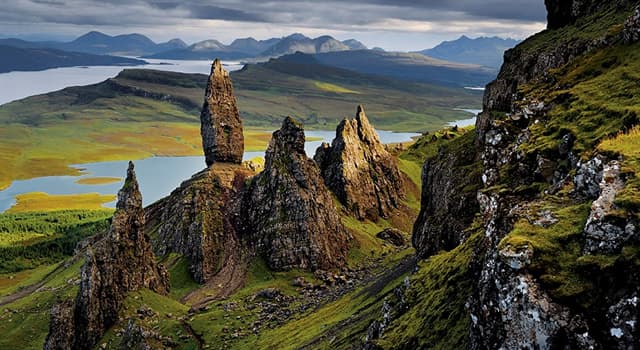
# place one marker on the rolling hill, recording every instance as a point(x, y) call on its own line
point(483, 51)
point(34, 59)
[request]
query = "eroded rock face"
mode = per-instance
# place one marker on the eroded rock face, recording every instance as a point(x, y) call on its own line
point(197, 220)
point(443, 179)
point(289, 212)
point(221, 126)
point(604, 232)
point(358, 169)
point(121, 262)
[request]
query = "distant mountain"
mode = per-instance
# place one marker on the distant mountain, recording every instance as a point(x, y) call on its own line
point(409, 67)
point(354, 44)
point(203, 50)
point(300, 43)
point(483, 51)
point(173, 44)
point(35, 59)
point(252, 46)
point(102, 44)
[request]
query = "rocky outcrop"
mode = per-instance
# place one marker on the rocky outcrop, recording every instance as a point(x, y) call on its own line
point(449, 181)
point(358, 169)
point(221, 126)
point(289, 212)
point(197, 220)
point(119, 263)
point(605, 233)
point(562, 13)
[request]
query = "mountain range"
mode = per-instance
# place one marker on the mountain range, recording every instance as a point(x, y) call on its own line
point(252, 48)
point(486, 51)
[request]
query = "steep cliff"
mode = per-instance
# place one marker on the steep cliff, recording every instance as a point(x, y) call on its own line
point(197, 220)
point(551, 275)
point(358, 169)
point(449, 181)
point(289, 214)
point(221, 126)
point(551, 260)
point(118, 263)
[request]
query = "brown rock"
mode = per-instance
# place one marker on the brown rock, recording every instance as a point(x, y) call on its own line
point(291, 218)
point(119, 263)
point(197, 220)
point(393, 236)
point(221, 126)
point(360, 171)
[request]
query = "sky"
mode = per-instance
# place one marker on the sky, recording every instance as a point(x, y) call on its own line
point(400, 25)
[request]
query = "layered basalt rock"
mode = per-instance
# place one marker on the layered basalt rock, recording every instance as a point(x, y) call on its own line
point(120, 262)
point(358, 169)
point(197, 220)
point(221, 126)
point(290, 216)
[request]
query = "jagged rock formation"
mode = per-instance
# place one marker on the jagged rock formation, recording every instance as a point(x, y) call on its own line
point(358, 169)
point(290, 216)
point(221, 126)
point(448, 181)
point(197, 220)
point(121, 262)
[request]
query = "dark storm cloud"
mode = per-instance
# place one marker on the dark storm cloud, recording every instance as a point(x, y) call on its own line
point(331, 14)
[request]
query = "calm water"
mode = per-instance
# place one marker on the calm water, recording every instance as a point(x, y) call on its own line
point(18, 85)
point(466, 122)
point(155, 181)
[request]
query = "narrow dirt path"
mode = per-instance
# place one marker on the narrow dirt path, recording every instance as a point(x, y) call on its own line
point(28, 290)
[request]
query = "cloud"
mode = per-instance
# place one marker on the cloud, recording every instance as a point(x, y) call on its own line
point(201, 19)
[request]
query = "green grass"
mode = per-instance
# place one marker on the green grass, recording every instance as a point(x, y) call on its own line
point(180, 278)
point(437, 317)
point(333, 88)
point(26, 324)
point(43, 202)
point(54, 236)
point(627, 145)
point(166, 320)
point(557, 248)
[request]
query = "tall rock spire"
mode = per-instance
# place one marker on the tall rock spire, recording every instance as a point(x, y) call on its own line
point(221, 126)
point(119, 263)
point(358, 169)
point(290, 213)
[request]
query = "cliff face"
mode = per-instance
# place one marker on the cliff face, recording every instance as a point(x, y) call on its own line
point(221, 126)
point(115, 265)
point(290, 216)
point(448, 180)
point(197, 220)
point(358, 169)
point(524, 297)
point(553, 266)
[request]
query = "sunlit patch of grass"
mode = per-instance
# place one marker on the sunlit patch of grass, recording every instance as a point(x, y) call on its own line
point(98, 180)
point(39, 202)
point(628, 145)
point(12, 282)
point(333, 88)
